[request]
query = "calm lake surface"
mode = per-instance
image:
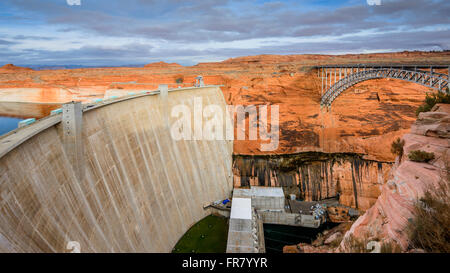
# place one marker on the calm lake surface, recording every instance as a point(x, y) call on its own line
point(8, 124)
point(13, 112)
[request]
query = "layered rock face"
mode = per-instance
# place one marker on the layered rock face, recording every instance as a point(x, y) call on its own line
point(408, 181)
point(316, 176)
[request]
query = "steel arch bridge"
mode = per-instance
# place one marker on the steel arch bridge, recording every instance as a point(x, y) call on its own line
point(345, 76)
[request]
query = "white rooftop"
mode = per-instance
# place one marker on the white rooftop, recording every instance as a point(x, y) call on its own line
point(256, 191)
point(241, 208)
point(237, 192)
point(268, 191)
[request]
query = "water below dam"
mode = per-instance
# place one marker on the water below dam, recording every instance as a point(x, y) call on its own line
point(278, 236)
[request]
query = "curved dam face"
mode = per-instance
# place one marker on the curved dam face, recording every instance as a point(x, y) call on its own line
point(140, 190)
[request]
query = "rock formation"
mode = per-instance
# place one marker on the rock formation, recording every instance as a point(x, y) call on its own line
point(326, 242)
point(388, 218)
point(162, 65)
point(9, 68)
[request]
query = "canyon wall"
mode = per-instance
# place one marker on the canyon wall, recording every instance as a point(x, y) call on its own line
point(315, 176)
point(141, 190)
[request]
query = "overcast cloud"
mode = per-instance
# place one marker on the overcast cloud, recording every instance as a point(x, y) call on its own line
point(112, 32)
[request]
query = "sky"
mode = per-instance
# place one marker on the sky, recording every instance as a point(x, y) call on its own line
point(114, 33)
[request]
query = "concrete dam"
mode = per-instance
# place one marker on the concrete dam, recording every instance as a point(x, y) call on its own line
point(111, 179)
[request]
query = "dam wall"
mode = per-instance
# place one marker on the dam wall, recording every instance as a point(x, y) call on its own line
point(139, 191)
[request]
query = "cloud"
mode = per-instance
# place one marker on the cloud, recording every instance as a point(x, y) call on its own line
point(217, 28)
point(31, 37)
point(4, 42)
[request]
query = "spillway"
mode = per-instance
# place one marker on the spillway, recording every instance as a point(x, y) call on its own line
point(139, 191)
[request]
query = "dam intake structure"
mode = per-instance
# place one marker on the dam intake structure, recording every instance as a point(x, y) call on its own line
point(255, 207)
point(108, 176)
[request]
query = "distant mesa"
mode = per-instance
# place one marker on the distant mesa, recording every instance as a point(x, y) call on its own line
point(266, 59)
point(11, 67)
point(162, 65)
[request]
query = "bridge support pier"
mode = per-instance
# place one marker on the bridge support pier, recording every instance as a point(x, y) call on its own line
point(321, 92)
point(431, 78)
point(335, 72)
point(331, 76)
point(72, 118)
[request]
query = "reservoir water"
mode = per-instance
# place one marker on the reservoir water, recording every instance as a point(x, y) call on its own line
point(11, 113)
point(8, 124)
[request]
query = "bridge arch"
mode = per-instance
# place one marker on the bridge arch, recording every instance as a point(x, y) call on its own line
point(350, 75)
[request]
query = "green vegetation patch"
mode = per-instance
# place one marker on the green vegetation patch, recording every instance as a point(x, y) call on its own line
point(432, 100)
point(373, 245)
point(429, 229)
point(420, 156)
point(207, 236)
point(397, 147)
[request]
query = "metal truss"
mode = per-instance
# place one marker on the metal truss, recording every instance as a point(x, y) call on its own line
point(431, 79)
